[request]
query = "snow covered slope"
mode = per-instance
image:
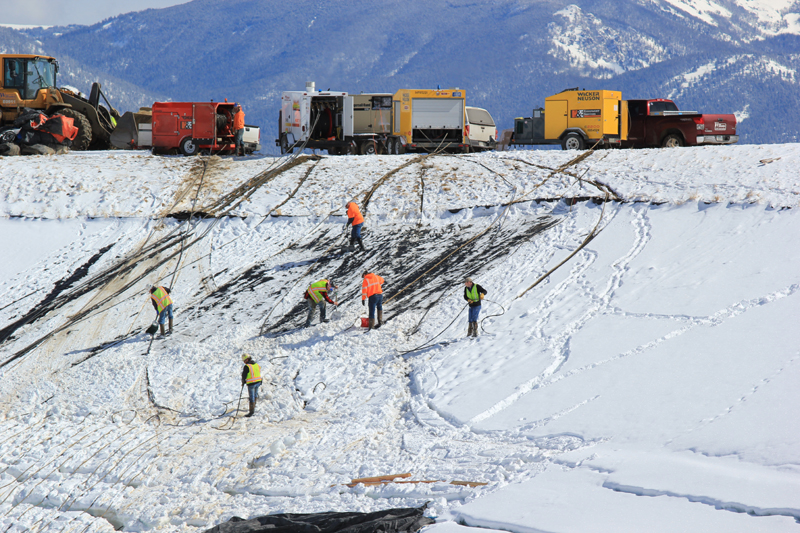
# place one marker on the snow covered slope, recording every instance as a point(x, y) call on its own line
point(647, 384)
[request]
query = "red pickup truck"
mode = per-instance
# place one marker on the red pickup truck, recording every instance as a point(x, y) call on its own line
point(658, 122)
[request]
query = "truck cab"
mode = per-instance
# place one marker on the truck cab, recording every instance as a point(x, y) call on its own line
point(480, 130)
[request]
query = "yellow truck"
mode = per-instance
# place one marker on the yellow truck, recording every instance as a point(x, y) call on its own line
point(576, 119)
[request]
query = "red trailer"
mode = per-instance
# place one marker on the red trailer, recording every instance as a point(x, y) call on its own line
point(193, 126)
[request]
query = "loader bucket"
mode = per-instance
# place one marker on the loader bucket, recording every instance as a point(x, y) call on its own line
point(126, 135)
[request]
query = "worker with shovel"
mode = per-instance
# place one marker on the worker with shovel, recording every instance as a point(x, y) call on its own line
point(354, 217)
point(473, 294)
point(162, 303)
point(371, 289)
point(316, 295)
point(251, 376)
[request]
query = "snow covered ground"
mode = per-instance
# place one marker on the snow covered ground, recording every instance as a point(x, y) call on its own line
point(647, 384)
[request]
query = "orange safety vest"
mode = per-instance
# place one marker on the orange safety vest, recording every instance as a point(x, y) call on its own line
point(253, 373)
point(354, 213)
point(162, 298)
point(371, 285)
point(238, 120)
point(316, 289)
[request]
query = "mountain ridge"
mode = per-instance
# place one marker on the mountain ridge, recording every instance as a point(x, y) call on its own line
point(508, 55)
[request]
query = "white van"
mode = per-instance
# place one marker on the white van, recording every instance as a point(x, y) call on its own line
point(480, 130)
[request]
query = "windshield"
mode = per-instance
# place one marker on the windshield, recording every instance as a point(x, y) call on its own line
point(481, 117)
point(29, 75)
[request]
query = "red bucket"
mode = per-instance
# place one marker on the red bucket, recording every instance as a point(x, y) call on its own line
point(364, 322)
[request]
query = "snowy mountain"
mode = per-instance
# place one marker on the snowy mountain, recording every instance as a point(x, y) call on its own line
point(636, 367)
point(509, 54)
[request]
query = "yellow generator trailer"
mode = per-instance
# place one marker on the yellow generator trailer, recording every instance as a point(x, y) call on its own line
point(576, 120)
point(428, 120)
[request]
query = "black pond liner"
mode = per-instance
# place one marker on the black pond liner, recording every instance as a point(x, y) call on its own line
point(402, 520)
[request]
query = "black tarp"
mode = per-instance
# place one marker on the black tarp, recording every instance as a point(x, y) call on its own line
point(388, 521)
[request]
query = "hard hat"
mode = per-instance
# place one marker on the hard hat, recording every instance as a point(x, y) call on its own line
point(245, 356)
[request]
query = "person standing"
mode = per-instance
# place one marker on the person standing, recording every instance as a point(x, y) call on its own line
point(316, 295)
point(251, 376)
point(371, 289)
point(354, 217)
point(473, 294)
point(238, 129)
point(162, 303)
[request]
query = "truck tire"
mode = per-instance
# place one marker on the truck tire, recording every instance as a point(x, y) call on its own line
point(369, 148)
point(188, 146)
point(673, 140)
point(84, 137)
point(572, 141)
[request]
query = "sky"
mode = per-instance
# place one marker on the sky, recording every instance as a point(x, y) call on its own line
point(60, 13)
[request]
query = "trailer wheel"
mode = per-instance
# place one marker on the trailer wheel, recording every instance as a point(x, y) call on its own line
point(572, 141)
point(369, 148)
point(673, 140)
point(188, 146)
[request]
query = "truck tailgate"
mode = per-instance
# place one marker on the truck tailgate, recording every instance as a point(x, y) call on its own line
point(719, 124)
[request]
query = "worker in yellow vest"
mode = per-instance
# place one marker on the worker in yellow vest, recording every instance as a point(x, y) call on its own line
point(371, 291)
point(162, 303)
point(473, 294)
point(316, 295)
point(251, 376)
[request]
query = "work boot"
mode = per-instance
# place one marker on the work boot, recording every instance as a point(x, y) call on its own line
point(170, 326)
point(322, 315)
point(252, 409)
point(352, 246)
point(361, 245)
point(161, 327)
point(469, 329)
point(474, 329)
point(380, 319)
point(371, 323)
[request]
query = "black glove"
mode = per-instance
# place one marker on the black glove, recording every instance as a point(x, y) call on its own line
point(363, 302)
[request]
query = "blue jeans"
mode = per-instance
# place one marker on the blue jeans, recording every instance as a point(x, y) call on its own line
point(376, 300)
point(238, 135)
point(356, 233)
point(164, 314)
point(252, 390)
point(473, 313)
point(312, 307)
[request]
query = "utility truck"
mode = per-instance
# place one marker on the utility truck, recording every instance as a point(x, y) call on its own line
point(578, 119)
point(409, 120)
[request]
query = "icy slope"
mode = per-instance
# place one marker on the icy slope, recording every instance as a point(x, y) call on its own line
point(646, 385)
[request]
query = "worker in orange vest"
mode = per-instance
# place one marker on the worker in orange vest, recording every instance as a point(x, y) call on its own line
point(371, 289)
point(162, 303)
point(238, 129)
point(251, 376)
point(354, 217)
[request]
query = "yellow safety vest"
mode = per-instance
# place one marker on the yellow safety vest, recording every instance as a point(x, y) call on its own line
point(253, 373)
point(315, 290)
point(162, 298)
point(472, 294)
